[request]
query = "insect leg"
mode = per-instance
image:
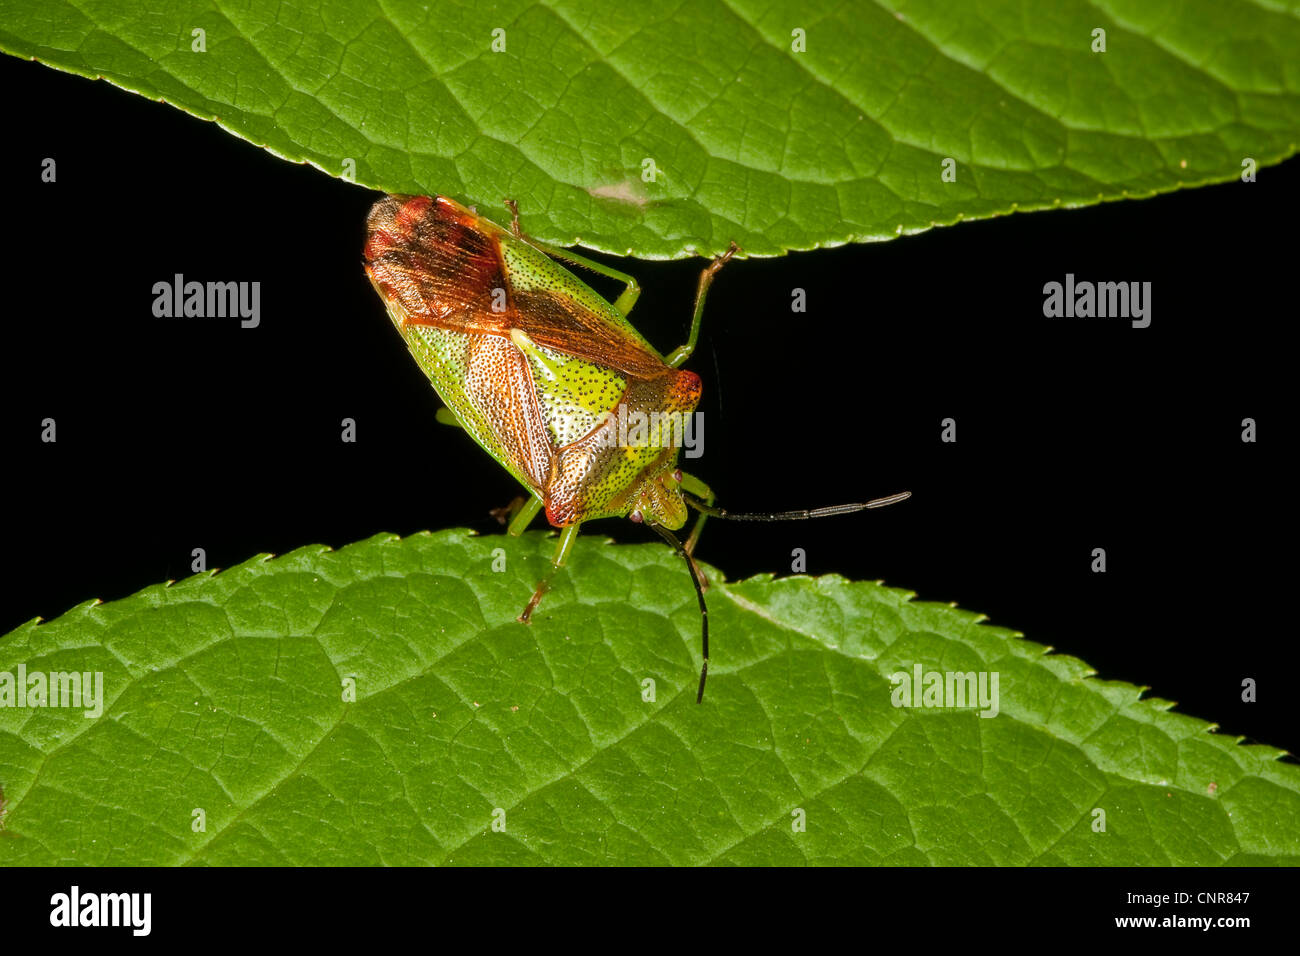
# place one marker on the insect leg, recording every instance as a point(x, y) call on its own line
point(702, 491)
point(524, 516)
point(445, 417)
point(683, 352)
point(631, 289)
point(567, 537)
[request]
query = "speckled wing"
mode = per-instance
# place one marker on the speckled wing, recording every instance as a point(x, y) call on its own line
point(443, 266)
point(456, 285)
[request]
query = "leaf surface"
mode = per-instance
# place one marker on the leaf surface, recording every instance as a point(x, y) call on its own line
point(748, 138)
point(224, 695)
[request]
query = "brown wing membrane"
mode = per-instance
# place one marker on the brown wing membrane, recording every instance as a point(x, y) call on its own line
point(439, 267)
point(442, 264)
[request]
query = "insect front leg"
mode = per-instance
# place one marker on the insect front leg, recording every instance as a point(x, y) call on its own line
point(702, 491)
point(631, 288)
point(524, 516)
point(683, 352)
point(567, 537)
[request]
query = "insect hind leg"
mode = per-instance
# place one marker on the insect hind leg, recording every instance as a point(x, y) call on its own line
point(631, 288)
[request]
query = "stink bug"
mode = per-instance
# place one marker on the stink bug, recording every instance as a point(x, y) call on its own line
point(537, 367)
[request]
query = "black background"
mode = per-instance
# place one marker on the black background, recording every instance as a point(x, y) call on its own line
point(1072, 434)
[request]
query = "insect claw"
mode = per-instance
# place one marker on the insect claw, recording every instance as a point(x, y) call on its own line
point(721, 260)
point(542, 587)
point(513, 206)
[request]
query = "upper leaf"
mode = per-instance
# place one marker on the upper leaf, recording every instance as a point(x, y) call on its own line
point(751, 139)
point(229, 734)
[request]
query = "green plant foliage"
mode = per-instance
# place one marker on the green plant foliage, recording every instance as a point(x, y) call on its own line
point(472, 738)
point(781, 125)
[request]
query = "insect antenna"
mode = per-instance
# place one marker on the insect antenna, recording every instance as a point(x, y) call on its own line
point(676, 545)
point(715, 512)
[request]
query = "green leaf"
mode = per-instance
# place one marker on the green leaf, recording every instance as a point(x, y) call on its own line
point(224, 694)
point(752, 141)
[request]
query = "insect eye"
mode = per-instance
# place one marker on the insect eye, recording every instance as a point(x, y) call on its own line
point(636, 516)
point(677, 476)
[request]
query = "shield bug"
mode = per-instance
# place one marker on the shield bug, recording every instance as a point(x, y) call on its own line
point(543, 372)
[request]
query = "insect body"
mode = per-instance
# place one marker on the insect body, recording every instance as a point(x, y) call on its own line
point(538, 368)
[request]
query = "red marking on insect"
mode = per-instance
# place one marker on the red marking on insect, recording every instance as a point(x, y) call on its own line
point(411, 212)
